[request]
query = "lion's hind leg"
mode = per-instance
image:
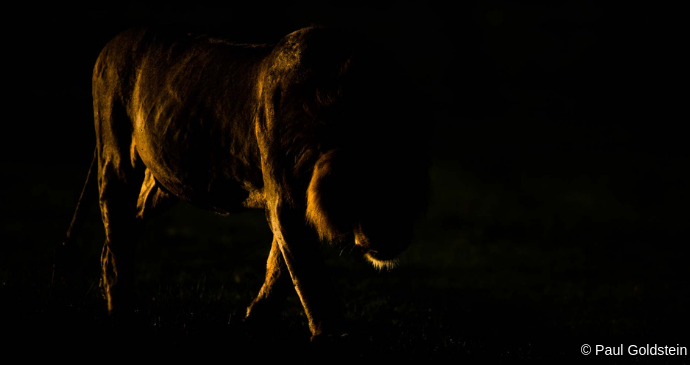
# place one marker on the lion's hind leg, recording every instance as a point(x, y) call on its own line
point(125, 207)
point(118, 201)
point(153, 198)
point(122, 182)
point(265, 308)
point(124, 211)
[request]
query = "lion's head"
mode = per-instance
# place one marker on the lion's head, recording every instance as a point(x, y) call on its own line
point(372, 200)
point(350, 129)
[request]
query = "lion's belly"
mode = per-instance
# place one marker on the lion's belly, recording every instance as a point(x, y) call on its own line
point(196, 165)
point(194, 122)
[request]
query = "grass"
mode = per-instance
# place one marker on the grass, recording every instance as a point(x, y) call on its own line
point(462, 291)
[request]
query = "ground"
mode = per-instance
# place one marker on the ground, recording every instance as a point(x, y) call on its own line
point(458, 292)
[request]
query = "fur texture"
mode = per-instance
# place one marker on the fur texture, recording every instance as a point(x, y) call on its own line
point(318, 130)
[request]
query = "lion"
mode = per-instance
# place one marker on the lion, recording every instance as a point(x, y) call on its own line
point(317, 130)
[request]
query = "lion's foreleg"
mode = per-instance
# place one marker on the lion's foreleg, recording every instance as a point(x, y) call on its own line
point(299, 247)
point(266, 306)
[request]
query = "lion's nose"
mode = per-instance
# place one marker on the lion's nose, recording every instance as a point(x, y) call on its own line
point(383, 256)
point(373, 253)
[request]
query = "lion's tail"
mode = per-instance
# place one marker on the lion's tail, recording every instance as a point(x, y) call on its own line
point(64, 253)
point(85, 200)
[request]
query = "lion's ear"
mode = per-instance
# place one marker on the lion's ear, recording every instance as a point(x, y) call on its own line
point(330, 202)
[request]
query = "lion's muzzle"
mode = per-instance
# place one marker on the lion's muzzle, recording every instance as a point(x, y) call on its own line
point(381, 253)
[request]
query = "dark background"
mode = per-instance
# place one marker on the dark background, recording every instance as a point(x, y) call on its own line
point(559, 185)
